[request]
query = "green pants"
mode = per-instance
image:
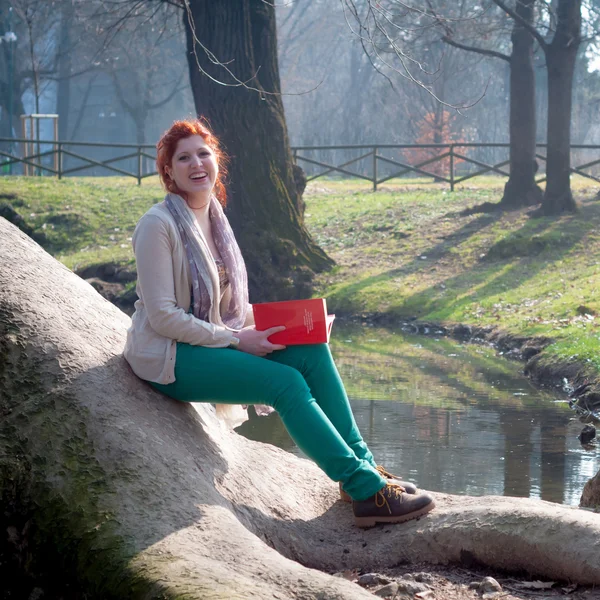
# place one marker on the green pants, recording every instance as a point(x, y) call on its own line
point(302, 384)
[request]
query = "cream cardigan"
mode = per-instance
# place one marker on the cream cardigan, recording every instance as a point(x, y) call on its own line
point(161, 317)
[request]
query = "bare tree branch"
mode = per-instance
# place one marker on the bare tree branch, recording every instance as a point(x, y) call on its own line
point(514, 15)
point(403, 58)
point(475, 49)
point(215, 61)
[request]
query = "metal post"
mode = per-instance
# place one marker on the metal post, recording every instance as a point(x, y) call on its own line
point(59, 157)
point(56, 155)
point(451, 167)
point(11, 41)
point(139, 175)
point(25, 144)
point(32, 143)
point(375, 169)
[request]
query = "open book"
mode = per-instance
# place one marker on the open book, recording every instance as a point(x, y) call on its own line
point(306, 321)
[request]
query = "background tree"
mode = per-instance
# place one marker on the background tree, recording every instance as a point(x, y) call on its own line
point(560, 54)
point(560, 44)
point(521, 188)
point(140, 62)
point(230, 44)
point(402, 45)
point(24, 63)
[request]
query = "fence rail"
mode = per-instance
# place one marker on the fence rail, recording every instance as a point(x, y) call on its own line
point(377, 163)
point(139, 156)
point(457, 165)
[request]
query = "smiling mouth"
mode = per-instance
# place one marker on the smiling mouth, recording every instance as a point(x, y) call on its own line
point(198, 176)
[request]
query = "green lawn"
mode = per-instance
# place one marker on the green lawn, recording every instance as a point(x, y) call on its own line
point(404, 250)
point(85, 220)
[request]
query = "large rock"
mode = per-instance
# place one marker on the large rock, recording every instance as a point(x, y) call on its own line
point(144, 497)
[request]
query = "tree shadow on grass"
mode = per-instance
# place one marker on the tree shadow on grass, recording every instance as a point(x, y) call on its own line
point(508, 263)
point(436, 252)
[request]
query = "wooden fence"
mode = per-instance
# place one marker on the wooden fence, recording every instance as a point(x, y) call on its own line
point(139, 159)
point(457, 161)
point(447, 163)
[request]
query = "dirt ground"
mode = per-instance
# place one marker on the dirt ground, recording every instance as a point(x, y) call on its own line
point(457, 583)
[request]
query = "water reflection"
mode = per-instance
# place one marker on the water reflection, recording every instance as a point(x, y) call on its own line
point(454, 418)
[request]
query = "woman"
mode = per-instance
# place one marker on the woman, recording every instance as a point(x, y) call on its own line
point(192, 335)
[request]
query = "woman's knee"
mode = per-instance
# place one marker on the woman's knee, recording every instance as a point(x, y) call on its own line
point(290, 390)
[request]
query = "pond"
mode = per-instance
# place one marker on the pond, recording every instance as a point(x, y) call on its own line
point(454, 417)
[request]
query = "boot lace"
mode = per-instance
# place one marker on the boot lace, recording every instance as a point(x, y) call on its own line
point(381, 470)
point(392, 490)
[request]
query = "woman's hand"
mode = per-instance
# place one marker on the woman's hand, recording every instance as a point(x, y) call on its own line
point(256, 342)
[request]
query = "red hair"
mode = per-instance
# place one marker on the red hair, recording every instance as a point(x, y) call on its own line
point(165, 149)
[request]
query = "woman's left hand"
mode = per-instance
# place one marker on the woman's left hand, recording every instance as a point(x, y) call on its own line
point(256, 342)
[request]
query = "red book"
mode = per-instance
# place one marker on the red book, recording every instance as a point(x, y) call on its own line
point(306, 321)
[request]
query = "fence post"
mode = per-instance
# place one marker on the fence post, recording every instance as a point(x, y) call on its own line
point(375, 169)
point(59, 160)
point(139, 175)
point(451, 167)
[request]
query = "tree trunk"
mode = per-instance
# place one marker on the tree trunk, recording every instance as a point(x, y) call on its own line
point(139, 120)
point(560, 59)
point(521, 189)
point(264, 204)
point(136, 495)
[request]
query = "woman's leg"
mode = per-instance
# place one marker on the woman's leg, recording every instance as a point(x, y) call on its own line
point(316, 365)
point(233, 377)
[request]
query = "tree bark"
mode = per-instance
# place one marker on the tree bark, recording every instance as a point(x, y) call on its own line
point(264, 204)
point(590, 496)
point(521, 189)
point(561, 54)
point(135, 495)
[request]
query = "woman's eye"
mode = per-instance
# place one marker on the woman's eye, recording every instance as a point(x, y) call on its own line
point(183, 157)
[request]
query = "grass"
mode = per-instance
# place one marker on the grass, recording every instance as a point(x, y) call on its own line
point(84, 220)
point(404, 250)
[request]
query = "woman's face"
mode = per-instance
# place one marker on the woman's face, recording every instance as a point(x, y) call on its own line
point(194, 167)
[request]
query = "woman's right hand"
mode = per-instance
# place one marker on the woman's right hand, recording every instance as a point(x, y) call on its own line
point(256, 342)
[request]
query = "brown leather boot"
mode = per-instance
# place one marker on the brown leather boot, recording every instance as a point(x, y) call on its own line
point(391, 505)
point(409, 488)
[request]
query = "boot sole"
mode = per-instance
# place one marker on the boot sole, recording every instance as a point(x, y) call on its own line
point(365, 522)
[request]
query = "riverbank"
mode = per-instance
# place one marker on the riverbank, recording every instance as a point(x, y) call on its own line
point(420, 253)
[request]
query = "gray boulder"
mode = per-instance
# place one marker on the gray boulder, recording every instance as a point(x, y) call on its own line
point(143, 497)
